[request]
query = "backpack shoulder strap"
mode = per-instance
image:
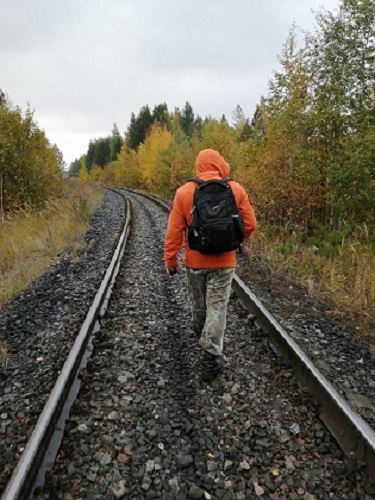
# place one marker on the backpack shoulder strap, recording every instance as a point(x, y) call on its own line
point(199, 181)
point(196, 180)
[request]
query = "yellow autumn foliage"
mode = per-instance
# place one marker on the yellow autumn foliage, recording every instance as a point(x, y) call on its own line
point(83, 173)
point(149, 153)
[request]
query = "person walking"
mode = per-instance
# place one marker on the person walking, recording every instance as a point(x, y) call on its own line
point(209, 271)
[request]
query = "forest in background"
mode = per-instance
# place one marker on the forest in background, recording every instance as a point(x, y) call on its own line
point(307, 155)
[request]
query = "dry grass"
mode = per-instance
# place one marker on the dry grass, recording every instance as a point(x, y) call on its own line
point(3, 354)
point(30, 242)
point(346, 281)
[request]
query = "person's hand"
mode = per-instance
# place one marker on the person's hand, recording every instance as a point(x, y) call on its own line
point(172, 270)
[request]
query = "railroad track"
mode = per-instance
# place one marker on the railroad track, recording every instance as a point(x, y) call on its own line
point(146, 426)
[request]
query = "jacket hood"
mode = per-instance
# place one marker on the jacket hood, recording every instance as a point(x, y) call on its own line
point(211, 165)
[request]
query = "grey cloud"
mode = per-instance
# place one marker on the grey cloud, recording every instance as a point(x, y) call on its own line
point(84, 65)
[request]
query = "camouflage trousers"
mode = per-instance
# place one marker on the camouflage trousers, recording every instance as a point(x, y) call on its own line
point(209, 291)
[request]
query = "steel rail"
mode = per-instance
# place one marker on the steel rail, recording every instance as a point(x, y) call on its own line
point(23, 477)
point(354, 436)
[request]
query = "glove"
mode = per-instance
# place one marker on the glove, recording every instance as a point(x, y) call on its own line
point(172, 271)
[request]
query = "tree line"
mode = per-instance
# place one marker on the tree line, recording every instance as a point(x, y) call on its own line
point(100, 152)
point(307, 156)
point(30, 167)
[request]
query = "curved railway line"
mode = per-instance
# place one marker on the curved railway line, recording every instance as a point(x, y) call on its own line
point(145, 426)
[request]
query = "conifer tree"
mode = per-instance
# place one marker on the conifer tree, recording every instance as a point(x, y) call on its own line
point(187, 119)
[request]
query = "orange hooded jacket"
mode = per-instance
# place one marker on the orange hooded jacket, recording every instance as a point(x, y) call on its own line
point(209, 165)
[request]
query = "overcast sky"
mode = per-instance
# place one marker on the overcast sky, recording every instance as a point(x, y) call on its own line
point(83, 65)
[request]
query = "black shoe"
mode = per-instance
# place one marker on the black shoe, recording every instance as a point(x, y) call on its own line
point(211, 366)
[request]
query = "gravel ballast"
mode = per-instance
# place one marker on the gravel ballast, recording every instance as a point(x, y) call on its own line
point(336, 351)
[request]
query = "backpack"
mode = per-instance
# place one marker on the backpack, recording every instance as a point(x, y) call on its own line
point(216, 225)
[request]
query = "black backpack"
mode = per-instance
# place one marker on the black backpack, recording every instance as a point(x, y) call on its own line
point(216, 226)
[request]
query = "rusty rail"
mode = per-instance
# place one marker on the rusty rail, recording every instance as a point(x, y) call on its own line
point(22, 480)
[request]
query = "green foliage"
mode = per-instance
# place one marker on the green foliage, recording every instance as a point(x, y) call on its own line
point(313, 136)
point(74, 167)
point(160, 114)
point(338, 236)
point(343, 74)
point(100, 152)
point(329, 243)
point(115, 143)
point(319, 230)
point(60, 158)
point(30, 165)
point(139, 127)
point(187, 119)
point(313, 241)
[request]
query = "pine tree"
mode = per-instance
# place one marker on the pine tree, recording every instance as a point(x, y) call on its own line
point(187, 119)
point(115, 143)
point(139, 127)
